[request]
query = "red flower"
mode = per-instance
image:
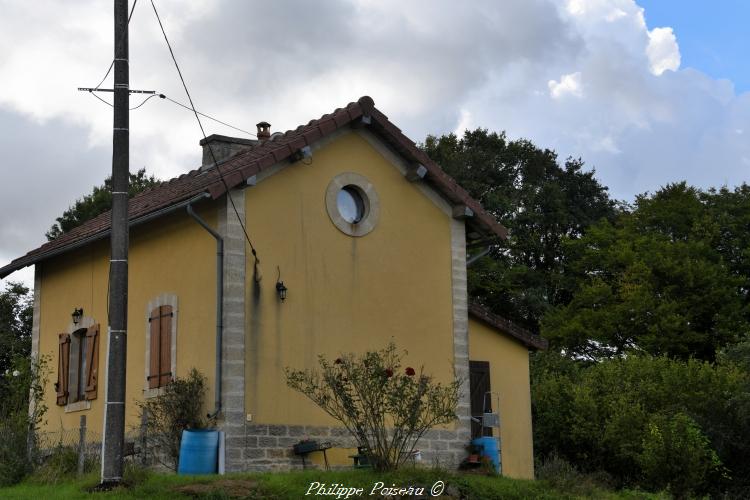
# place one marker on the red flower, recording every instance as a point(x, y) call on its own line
point(410, 371)
point(388, 372)
point(338, 361)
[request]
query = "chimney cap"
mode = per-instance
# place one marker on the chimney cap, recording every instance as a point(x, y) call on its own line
point(264, 130)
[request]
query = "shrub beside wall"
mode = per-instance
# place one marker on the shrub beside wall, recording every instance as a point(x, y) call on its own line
point(386, 407)
point(22, 383)
point(167, 415)
point(648, 422)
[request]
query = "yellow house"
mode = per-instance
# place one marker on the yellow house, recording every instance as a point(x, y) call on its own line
point(369, 239)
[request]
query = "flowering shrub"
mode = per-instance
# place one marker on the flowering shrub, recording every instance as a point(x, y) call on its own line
point(385, 408)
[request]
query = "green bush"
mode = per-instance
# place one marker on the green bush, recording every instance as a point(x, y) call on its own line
point(564, 476)
point(22, 384)
point(60, 465)
point(14, 463)
point(677, 456)
point(167, 415)
point(606, 416)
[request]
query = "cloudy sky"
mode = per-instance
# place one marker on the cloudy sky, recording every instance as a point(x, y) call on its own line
point(645, 91)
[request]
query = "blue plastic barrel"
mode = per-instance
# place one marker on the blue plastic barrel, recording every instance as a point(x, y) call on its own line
point(199, 451)
point(489, 448)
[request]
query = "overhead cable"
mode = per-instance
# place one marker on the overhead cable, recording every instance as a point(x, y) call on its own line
point(163, 96)
point(111, 65)
point(210, 149)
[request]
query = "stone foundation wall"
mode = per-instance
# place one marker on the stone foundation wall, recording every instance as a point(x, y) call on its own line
point(269, 447)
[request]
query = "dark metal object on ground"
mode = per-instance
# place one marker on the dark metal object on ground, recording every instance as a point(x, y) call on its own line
point(361, 459)
point(307, 446)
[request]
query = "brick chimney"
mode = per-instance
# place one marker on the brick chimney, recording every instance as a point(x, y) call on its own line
point(264, 131)
point(223, 147)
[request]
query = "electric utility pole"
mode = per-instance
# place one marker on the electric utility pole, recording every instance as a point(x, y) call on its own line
point(113, 440)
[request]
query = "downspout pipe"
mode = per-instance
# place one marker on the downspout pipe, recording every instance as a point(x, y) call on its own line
point(219, 304)
point(476, 257)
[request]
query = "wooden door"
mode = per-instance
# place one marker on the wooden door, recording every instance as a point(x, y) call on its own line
point(479, 386)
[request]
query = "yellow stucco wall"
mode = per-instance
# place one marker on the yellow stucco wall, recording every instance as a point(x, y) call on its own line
point(509, 376)
point(345, 294)
point(169, 255)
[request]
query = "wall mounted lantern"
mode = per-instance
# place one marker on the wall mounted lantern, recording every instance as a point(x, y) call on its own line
point(77, 315)
point(280, 288)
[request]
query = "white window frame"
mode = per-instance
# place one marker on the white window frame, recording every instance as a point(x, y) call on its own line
point(164, 299)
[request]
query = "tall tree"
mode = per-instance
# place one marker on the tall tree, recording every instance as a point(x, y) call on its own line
point(97, 202)
point(16, 312)
point(539, 200)
point(659, 279)
point(730, 230)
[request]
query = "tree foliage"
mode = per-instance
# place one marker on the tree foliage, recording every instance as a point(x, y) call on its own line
point(676, 455)
point(97, 202)
point(540, 201)
point(647, 421)
point(385, 408)
point(666, 277)
point(21, 384)
point(16, 312)
point(648, 302)
point(180, 407)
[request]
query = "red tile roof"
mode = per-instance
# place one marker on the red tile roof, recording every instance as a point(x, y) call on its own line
point(244, 165)
point(524, 336)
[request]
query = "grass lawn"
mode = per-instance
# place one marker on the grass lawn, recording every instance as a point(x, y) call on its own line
point(294, 485)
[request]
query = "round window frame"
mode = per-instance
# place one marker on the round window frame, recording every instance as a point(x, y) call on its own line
point(369, 197)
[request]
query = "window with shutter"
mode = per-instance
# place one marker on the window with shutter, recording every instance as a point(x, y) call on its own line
point(92, 361)
point(77, 363)
point(160, 347)
point(63, 363)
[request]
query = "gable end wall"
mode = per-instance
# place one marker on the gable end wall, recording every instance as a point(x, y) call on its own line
point(266, 445)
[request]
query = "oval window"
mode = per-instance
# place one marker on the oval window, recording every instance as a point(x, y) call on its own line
point(350, 204)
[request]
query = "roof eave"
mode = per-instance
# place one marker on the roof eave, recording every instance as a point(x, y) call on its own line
point(530, 340)
point(239, 168)
point(29, 260)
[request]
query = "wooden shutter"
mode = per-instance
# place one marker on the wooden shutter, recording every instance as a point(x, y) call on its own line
point(63, 372)
point(165, 353)
point(92, 363)
point(479, 385)
point(160, 347)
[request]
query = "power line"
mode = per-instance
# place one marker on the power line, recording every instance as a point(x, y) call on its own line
point(207, 116)
point(163, 96)
point(111, 65)
point(105, 102)
point(143, 102)
point(210, 149)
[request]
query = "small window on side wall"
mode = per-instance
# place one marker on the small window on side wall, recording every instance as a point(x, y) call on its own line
point(160, 346)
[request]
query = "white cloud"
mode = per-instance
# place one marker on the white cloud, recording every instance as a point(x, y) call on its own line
point(662, 51)
point(464, 122)
point(568, 84)
point(585, 77)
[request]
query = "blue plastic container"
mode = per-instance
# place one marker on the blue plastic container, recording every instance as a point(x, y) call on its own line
point(489, 449)
point(199, 452)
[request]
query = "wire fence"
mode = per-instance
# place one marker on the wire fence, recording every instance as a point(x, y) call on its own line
point(86, 443)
